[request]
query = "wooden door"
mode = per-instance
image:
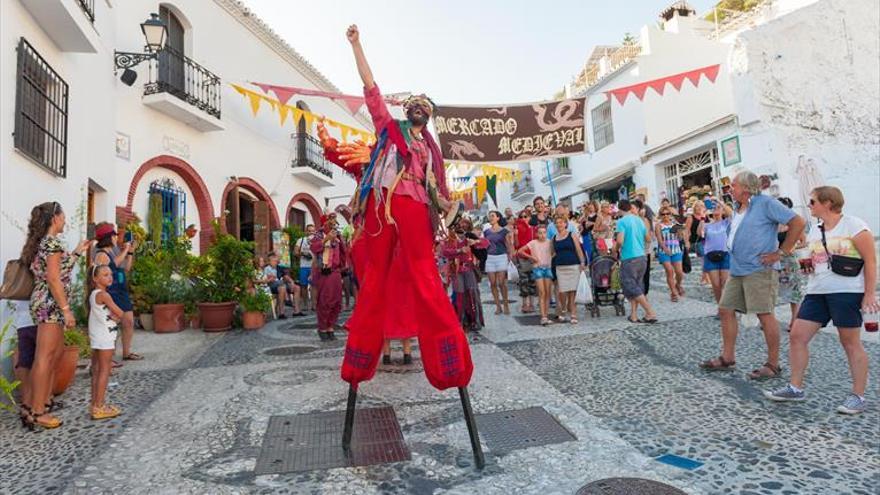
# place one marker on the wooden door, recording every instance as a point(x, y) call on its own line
point(233, 217)
point(262, 231)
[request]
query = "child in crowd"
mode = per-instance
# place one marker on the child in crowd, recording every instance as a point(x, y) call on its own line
point(103, 317)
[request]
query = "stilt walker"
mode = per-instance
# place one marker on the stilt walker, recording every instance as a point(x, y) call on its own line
point(400, 197)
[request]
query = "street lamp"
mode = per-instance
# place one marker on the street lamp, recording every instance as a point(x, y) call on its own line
point(155, 33)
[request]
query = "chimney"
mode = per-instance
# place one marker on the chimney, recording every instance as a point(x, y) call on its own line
point(679, 17)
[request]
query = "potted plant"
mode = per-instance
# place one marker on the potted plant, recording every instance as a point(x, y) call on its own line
point(229, 270)
point(144, 286)
point(76, 346)
point(254, 308)
point(169, 309)
point(8, 387)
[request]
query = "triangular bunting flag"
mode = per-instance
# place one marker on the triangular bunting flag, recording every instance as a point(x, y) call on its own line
point(254, 99)
point(659, 85)
point(676, 81)
point(282, 113)
point(620, 95)
point(639, 90)
point(694, 76)
point(481, 189)
point(712, 72)
point(353, 103)
point(491, 187)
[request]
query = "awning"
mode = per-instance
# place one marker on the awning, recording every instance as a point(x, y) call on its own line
point(610, 176)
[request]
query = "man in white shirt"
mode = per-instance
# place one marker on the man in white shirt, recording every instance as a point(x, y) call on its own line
point(304, 254)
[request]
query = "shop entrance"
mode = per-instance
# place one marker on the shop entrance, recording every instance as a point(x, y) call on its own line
point(691, 176)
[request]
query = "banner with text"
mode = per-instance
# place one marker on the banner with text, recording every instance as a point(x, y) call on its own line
point(511, 133)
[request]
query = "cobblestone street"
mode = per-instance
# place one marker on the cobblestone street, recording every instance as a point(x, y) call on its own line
point(195, 412)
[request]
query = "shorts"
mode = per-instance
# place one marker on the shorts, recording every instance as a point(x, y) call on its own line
point(304, 274)
point(752, 293)
point(542, 273)
point(496, 263)
point(843, 308)
point(27, 346)
point(713, 266)
point(662, 257)
point(275, 284)
point(121, 299)
point(101, 338)
point(632, 274)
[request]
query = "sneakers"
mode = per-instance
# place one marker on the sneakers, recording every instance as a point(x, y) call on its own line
point(852, 405)
point(785, 394)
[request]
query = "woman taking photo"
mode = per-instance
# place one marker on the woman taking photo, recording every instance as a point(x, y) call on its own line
point(570, 262)
point(716, 260)
point(499, 256)
point(462, 270)
point(119, 261)
point(44, 253)
point(842, 276)
point(668, 234)
point(692, 241)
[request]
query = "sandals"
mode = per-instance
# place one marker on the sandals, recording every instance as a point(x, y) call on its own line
point(132, 356)
point(718, 364)
point(633, 321)
point(647, 320)
point(105, 412)
point(765, 372)
point(574, 320)
point(545, 322)
point(50, 423)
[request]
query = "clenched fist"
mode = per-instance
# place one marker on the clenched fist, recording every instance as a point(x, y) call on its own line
point(353, 34)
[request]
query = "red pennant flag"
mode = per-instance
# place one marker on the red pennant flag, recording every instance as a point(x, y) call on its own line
point(620, 95)
point(676, 81)
point(639, 90)
point(353, 103)
point(658, 85)
point(712, 72)
point(694, 77)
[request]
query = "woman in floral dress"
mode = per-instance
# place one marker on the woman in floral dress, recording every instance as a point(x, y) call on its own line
point(51, 266)
point(791, 279)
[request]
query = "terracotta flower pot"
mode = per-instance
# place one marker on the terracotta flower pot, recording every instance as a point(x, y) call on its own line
point(146, 320)
point(168, 318)
point(65, 369)
point(216, 317)
point(253, 320)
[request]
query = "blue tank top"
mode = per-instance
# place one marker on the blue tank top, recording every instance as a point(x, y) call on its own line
point(118, 286)
point(566, 252)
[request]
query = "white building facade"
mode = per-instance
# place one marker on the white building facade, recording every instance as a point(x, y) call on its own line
point(771, 109)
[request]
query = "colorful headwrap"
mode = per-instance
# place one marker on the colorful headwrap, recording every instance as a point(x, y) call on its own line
point(419, 100)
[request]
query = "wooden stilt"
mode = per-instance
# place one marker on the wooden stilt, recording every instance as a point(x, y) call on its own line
point(472, 427)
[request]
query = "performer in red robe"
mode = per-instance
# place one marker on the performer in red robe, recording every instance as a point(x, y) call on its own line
point(401, 194)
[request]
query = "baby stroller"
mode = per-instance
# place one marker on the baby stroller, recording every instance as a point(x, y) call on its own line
point(605, 284)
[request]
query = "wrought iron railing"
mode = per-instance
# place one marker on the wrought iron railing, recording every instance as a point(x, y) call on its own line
point(308, 152)
point(614, 60)
point(40, 111)
point(558, 168)
point(88, 7)
point(523, 186)
point(180, 76)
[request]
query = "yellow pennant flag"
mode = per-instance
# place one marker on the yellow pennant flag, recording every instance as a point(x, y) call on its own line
point(481, 188)
point(282, 113)
point(255, 102)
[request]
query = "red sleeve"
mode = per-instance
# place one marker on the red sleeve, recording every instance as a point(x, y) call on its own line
point(449, 251)
point(316, 245)
point(378, 109)
point(482, 243)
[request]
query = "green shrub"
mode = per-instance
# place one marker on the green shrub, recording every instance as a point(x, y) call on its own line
point(258, 301)
point(79, 338)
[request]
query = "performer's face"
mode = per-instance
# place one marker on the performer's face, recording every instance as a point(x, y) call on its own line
point(417, 115)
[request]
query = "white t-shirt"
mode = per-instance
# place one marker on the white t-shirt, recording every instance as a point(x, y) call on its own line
point(735, 221)
point(21, 317)
point(305, 251)
point(839, 241)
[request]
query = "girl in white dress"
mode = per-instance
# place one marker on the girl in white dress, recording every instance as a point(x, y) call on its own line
point(103, 318)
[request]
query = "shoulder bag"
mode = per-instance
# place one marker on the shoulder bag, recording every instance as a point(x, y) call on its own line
point(845, 266)
point(18, 282)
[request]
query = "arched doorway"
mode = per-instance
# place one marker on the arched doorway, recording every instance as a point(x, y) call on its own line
point(299, 205)
point(193, 181)
point(249, 213)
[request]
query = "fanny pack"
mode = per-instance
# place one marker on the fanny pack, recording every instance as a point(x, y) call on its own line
point(716, 256)
point(845, 266)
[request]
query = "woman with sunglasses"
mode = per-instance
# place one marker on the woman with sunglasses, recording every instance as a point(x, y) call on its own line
point(668, 233)
point(842, 277)
point(51, 265)
point(713, 230)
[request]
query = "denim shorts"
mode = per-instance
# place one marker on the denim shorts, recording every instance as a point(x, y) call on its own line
point(545, 273)
point(662, 257)
point(843, 308)
point(711, 266)
point(304, 273)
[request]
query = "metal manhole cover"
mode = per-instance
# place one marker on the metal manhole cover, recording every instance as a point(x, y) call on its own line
point(520, 429)
point(290, 350)
point(490, 302)
point(628, 486)
point(529, 320)
point(306, 442)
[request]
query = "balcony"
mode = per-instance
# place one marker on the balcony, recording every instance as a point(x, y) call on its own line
point(559, 171)
point(308, 161)
point(69, 23)
point(523, 189)
point(184, 90)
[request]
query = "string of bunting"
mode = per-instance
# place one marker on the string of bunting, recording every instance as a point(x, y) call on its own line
point(659, 85)
point(297, 115)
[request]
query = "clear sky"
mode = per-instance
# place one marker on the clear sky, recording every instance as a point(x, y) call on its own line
point(459, 51)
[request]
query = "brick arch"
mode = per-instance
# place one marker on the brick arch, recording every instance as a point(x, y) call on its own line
point(311, 204)
point(258, 191)
point(193, 181)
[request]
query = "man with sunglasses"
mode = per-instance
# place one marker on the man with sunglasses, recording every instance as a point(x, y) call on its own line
point(752, 286)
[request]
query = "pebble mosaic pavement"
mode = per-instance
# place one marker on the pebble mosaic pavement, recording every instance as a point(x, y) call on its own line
point(196, 409)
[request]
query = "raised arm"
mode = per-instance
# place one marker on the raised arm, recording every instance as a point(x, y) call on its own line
point(363, 67)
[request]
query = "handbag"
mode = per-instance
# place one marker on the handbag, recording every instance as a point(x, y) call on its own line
point(18, 282)
point(685, 260)
point(716, 256)
point(845, 266)
point(584, 294)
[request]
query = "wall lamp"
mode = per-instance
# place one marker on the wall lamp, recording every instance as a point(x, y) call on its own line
point(155, 33)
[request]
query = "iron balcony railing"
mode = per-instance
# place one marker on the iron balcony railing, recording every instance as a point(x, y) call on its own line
point(180, 76)
point(308, 152)
point(558, 169)
point(523, 186)
point(88, 7)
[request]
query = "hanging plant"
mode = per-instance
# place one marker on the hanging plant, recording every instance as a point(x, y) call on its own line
point(155, 218)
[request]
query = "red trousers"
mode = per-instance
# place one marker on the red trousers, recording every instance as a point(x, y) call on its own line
point(328, 297)
point(401, 286)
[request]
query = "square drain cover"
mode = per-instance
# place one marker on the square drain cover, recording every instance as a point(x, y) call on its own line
point(529, 320)
point(522, 428)
point(305, 442)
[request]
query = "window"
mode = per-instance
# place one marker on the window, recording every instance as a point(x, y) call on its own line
point(171, 60)
point(603, 133)
point(40, 111)
point(167, 209)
